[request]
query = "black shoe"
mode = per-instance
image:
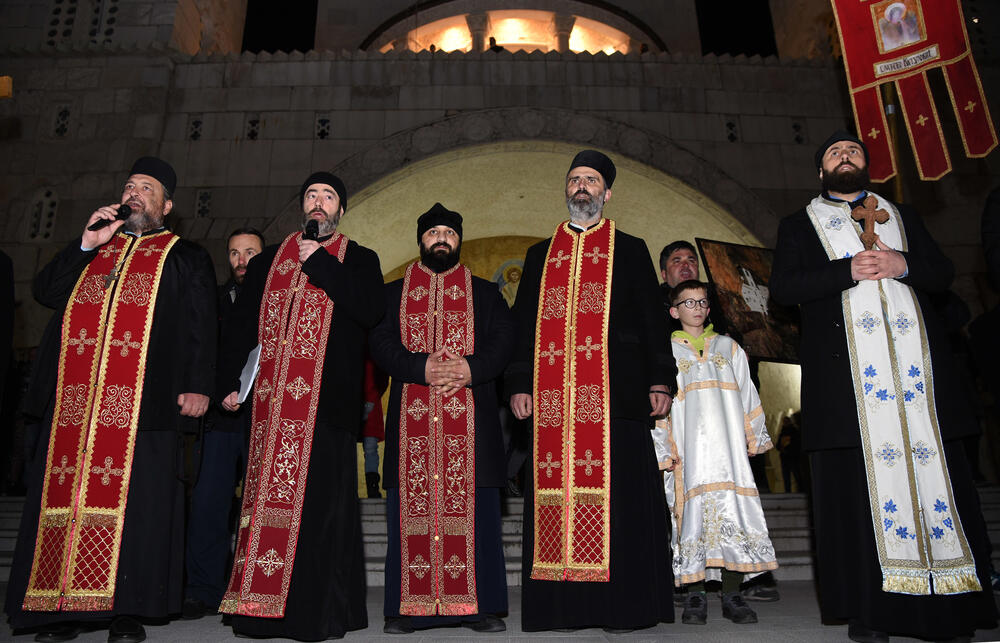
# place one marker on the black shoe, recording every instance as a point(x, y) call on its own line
point(58, 632)
point(398, 625)
point(371, 481)
point(489, 623)
point(856, 631)
point(680, 596)
point(695, 609)
point(193, 609)
point(763, 593)
point(618, 630)
point(736, 609)
point(125, 629)
point(513, 489)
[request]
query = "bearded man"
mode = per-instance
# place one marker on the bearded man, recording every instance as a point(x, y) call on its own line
point(102, 534)
point(299, 569)
point(445, 338)
point(900, 540)
point(593, 367)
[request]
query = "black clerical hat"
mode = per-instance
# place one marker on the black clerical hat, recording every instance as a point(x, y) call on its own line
point(328, 179)
point(836, 137)
point(159, 170)
point(439, 215)
point(598, 161)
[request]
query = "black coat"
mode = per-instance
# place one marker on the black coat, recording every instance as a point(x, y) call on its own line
point(802, 274)
point(991, 236)
point(182, 342)
point(494, 343)
point(217, 418)
point(639, 351)
point(355, 286)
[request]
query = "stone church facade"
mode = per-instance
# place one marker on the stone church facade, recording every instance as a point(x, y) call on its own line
point(94, 88)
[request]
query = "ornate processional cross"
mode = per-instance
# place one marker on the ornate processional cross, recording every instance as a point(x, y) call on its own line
point(867, 213)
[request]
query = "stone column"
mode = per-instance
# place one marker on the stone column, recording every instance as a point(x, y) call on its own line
point(477, 26)
point(564, 27)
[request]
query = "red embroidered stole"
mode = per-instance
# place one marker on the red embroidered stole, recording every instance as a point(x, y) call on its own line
point(571, 396)
point(295, 322)
point(437, 455)
point(102, 363)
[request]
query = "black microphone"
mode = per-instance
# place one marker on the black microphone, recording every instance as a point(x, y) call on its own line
point(312, 230)
point(124, 212)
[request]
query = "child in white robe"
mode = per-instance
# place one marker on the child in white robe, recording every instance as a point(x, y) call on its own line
point(716, 422)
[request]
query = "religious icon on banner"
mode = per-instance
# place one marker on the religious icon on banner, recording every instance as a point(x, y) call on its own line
point(740, 275)
point(899, 41)
point(899, 23)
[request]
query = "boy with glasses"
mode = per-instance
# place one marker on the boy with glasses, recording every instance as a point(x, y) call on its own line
point(715, 424)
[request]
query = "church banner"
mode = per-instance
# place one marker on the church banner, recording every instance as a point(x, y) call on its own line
point(900, 41)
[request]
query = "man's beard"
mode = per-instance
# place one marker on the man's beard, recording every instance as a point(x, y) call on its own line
point(580, 210)
point(845, 182)
point(142, 220)
point(327, 225)
point(438, 261)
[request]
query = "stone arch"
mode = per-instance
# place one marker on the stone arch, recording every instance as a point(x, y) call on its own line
point(475, 133)
point(430, 11)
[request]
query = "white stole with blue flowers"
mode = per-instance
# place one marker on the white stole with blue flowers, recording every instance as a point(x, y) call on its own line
point(918, 533)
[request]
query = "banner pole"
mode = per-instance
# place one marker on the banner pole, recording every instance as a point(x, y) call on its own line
point(891, 101)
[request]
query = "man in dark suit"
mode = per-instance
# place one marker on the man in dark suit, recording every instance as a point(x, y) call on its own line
point(593, 368)
point(853, 413)
point(447, 361)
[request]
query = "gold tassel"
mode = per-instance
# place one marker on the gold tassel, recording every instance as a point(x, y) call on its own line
point(900, 583)
point(956, 581)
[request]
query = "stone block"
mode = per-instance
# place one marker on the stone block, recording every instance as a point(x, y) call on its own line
point(134, 13)
point(154, 77)
point(147, 126)
point(548, 96)
point(175, 127)
point(25, 259)
point(44, 79)
point(133, 35)
point(462, 97)
point(505, 96)
point(341, 72)
point(207, 162)
point(113, 126)
point(163, 13)
point(187, 76)
point(197, 100)
point(602, 71)
point(176, 153)
point(497, 73)
point(579, 96)
point(698, 127)
point(98, 102)
point(123, 100)
point(579, 73)
point(287, 125)
point(83, 78)
point(721, 101)
point(555, 72)
point(256, 99)
point(328, 154)
point(365, 97)
point(651, 120)
point(238, 74)
point(320, 99)
point(248, 201)
point(221, 126)
point(421, 97)
point(121, 76)
point(405, 72)
point(357, 125)
point(401, 120)
point(290, 162)
point(764, 129)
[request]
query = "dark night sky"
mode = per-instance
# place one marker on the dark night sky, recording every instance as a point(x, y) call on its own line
point(280, 26)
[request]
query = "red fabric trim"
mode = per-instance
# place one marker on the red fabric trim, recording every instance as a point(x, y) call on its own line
point(571, 398)
point(923, 127)
point(967, 98)
point(296, 319)
point(869, 116)
point(102, 361)
point(437, 456)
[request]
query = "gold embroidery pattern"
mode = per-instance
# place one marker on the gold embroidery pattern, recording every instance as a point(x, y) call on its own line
point(454, 407)
point(298, 388)
point(107, 471)
point(91, 291)
point(116, 407)
point(285, 267)
point(719, 360)
point(62, 470)
point(550, 408)
point(454, 567)
point(548, 464)
point(455, 323)
point(125, 343)
point(74, 405)
point(309, 325)
point(137, 289)
point(81, 342)
point(454, 494)
point(454, 293)
point(589, 403)
point(552, 353)
point(271, 320)
point(592, 298)
point(684, 365)
point(263, 389)
point(286, 462)
point(420, 566)
point(418, 293)
point(589, 463)
point(418, 494)
point(555, 303)
point(417, 409)
point(588, 347)
point(416, 324)
point(270, 562)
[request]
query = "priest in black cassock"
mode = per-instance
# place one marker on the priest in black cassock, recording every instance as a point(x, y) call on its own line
point(593, 366)
point(901, 546)
point(172, 364)
point(299, 570)
point(448, 361)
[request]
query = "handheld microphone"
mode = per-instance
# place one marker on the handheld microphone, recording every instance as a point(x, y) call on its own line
point(312, 230)
point(124, 212)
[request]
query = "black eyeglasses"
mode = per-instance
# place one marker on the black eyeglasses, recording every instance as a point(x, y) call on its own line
point(691, 303)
